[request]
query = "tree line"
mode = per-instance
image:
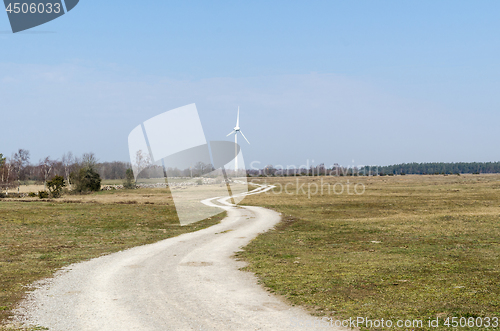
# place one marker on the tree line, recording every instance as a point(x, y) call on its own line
point(396, 169)
point(438, 168)
point(19, 170)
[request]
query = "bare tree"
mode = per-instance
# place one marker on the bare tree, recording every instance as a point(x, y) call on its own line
point(89, 161)
point(142, 161)
point(7, 175)
point(57, 168)
point(20, 162)
point(202, 168)
point(46, 165)
point(2, 170)
point(68, 161)
point(113, 170)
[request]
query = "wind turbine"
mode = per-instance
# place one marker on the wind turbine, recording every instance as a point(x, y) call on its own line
point(235, 131)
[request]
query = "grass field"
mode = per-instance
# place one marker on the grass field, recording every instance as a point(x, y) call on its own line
point(408, 248)
point(38, 237)
point(404, 248)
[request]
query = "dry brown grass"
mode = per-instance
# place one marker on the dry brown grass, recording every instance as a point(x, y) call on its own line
point(28, 189)
point(39, 236)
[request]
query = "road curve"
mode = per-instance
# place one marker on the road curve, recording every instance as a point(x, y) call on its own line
point(189, 282)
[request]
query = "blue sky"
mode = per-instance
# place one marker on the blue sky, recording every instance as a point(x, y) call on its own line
point(377, 82)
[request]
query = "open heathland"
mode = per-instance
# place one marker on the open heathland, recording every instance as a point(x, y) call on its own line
point(393, 247)
point(39, 237)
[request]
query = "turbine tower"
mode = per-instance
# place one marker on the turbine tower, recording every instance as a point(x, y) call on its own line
point(235, 131)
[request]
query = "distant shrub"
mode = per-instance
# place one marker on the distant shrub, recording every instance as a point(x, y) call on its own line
point(43, 194)
point(55, 186)
point(85, 180)
point(129, 179)
point(32, 194)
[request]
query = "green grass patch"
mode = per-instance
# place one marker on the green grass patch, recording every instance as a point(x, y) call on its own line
point(412, 247)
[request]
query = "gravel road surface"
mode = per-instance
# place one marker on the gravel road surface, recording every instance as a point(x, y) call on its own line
point(190, 282)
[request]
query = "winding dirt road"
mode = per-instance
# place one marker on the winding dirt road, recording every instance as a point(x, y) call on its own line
point(190, 282)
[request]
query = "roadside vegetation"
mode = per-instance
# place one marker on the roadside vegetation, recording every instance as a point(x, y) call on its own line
point(408, 248)
point(37, 237)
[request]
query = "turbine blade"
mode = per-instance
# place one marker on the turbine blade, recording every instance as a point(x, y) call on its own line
point(244, 137)
point(231, 133)
point(238, 118)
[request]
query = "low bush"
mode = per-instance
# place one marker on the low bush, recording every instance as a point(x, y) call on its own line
point(55, 186)
point(129, 182)
point(85, 180)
